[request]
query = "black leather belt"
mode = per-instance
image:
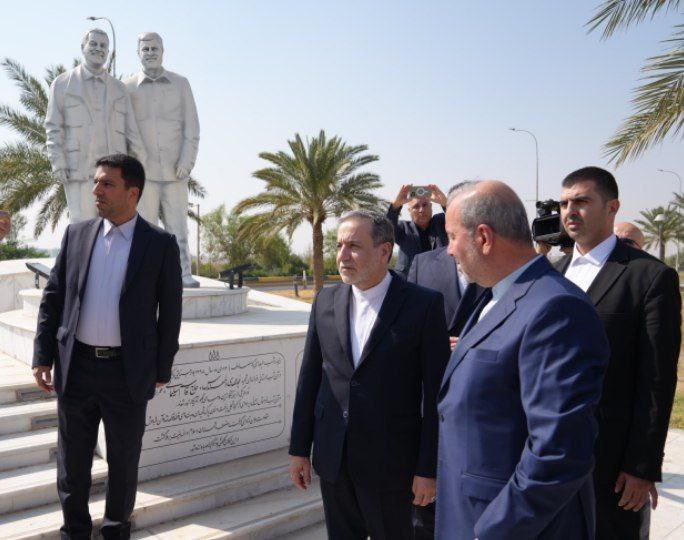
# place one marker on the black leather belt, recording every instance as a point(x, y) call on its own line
point(98, 352)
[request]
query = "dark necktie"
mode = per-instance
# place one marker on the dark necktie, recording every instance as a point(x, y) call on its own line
point(472, 321)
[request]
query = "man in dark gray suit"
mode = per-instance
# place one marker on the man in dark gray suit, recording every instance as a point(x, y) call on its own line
point(108, 324)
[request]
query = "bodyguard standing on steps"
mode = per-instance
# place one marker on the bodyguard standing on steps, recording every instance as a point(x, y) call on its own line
point(108, 324)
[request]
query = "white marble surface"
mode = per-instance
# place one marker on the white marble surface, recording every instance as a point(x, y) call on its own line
point(14, 277)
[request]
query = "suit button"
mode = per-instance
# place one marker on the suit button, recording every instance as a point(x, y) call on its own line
point(345, 414)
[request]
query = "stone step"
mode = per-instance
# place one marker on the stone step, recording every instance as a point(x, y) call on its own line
point(29, 448)
point(159, 500)
point(17, 331)
point(271, 515)
point(313, 532)
point(17, 383)
point(29, 416)
point(28, 487)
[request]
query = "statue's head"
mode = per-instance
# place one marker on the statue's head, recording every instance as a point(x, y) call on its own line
point(95, 48)
point(150, 50)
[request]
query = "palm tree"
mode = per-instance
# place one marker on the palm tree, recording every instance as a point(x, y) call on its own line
point(659, 101)
point(25, 173)
point(671, 227)
point(320, 178)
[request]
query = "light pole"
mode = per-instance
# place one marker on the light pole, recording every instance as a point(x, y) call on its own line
point(678, 210)
point(112, 57)
point(536, 153)
point(660, 219)
point(197, 206)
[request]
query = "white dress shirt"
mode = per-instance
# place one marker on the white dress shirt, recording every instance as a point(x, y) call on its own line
point(462, 281)
point(363, 312)
point(583, 269)
point(503, 285)
point(98, 323)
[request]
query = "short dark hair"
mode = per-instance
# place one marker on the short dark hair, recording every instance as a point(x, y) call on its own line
point(382, 230)
point(131, 169)
point(604, 180)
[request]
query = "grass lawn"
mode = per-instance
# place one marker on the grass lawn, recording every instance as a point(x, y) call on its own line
point(676, 421)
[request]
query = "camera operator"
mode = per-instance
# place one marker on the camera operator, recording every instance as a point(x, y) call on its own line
point(637, 299)
point(424, 232)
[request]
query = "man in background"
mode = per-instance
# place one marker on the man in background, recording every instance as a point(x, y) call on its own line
point(439, 271)
point(630, 234)
point(424, 232)
point(637, 298)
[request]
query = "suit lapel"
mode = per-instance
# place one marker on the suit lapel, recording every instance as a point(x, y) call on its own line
point(611, 271)
point(341, 315)
point(562, 264)
point(452, 293)
point(84, 262)
point(477, 331)
point(388, 312)
point(141, 237)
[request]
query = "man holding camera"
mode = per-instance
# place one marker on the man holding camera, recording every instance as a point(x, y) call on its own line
point(424, 232)
point(637, 298)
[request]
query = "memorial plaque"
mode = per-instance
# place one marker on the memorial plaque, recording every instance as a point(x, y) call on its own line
point(215, 404)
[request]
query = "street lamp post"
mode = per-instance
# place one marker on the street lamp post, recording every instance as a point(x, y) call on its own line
point(660, 219)
point(112, 57)
point(679, 178)
point(536, 152)
point(197, 206)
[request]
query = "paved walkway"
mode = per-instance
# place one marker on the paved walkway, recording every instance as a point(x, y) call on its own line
point(667, 521)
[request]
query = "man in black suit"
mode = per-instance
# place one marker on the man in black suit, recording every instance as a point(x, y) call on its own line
point(424, 232)
point(637, 298)
point(437, 270)
point(108, 323)
point(373, 361)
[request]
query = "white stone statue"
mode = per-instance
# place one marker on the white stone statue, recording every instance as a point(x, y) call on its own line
point(89, 115)
point(165, 111)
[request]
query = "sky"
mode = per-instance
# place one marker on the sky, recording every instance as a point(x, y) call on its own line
point(431, 87)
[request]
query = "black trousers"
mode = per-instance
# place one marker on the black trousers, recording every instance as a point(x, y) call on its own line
point(97, 390)
point(614, 523)
point(424, 522)
point(356, 512)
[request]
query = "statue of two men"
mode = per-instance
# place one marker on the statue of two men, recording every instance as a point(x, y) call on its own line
point(151, 115)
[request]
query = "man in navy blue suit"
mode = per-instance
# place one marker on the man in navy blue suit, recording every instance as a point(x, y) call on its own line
point(518, 397)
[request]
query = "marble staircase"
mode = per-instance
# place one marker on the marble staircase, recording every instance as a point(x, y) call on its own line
point(249, 497)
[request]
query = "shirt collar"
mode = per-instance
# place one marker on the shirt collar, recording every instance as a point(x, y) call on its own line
point(374, 293)
point(87, 74)
point(503, 285)
point(596, 256)
point(143, 77)
point(126, 229)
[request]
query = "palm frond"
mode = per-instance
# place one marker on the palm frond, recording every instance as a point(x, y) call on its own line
point(658, 104)
point(196, 189)
point(32, 93)
point(30, 128)
point(615, 14)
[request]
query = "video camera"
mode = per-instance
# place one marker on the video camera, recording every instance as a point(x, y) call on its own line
point(547, 227)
